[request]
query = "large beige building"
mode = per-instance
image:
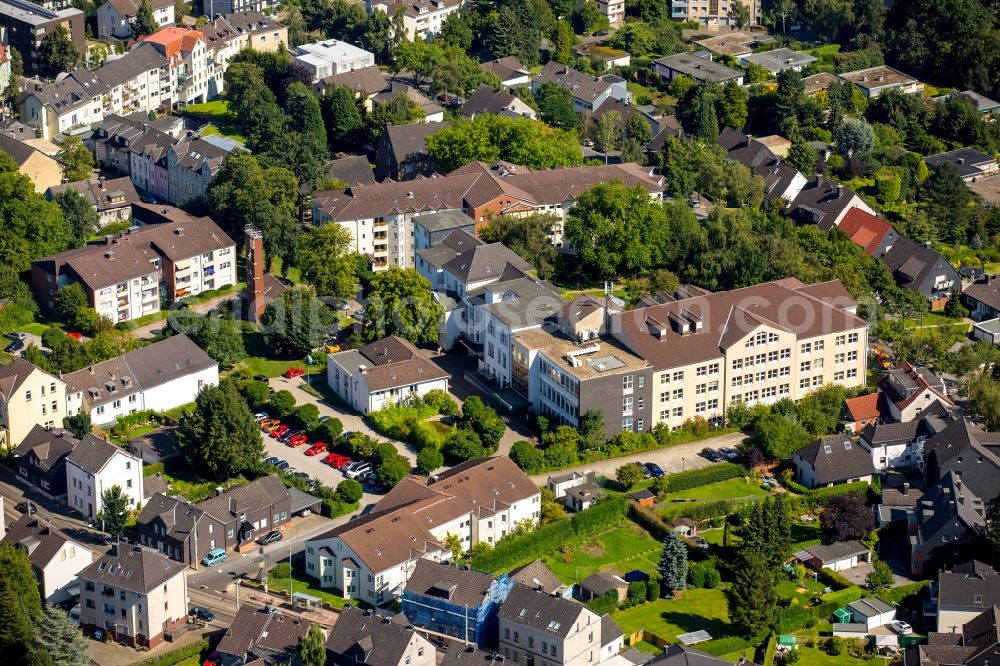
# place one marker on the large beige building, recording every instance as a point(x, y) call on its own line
point(133, 595)
point(713, 12)
point(29, 396)
point(694, 353)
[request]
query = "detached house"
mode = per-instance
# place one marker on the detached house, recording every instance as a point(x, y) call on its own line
point(983, 298)
point(921, 269)
point(112, 199)
point(114, 18)
point(40, 460)
point(486, 99)
point(133, 595)
point(383, 373)
point(588, 92)
point(509, 70)
point(55, 558)
point(362, 637)
point(964, 592)
point(421, 19)
point(832, 460)
point(43, 171)
point(95, 466)
point(825, 203)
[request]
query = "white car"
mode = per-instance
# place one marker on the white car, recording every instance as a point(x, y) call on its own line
point(901, 628)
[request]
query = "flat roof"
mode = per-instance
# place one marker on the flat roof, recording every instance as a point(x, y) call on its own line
point(882, 76)
point(699, 68)
point(606, 356)
point(780, 59)
point(730, 43)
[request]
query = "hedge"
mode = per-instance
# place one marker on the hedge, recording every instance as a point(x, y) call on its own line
point(698, 511)
point(701, 477)
point(896, 595)
point(831, 578)
point(769, 650)
point(727, 645)
point(176, 656)
point(816, 496)
point(649, 520)
point(513, 551)
point(836, 600)
point(792, 618)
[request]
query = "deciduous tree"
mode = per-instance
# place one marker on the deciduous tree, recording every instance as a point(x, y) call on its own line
point(846, 517)
point(115, 508)
point(219, 437)
point(326, 259)
point(400, 302)
point(528, 237)
point(57, 52)
point(296, 322)
point(628, 475)
point(489, 138)
point(77, 159)
point(312, 647)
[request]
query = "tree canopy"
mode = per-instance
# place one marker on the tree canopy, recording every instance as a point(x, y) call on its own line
point(400, 302)
point(296, 322)
point(326, 259)
point(219, 437)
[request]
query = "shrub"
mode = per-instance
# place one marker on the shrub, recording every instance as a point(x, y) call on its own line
point(177, 656)
point(694, 478)
point(281, 570)
point(769, 650)
point(792, 618)
point(440, 401)
point(604, 604)
point(897, 594)
point(282, 403)
point(704, 574)
point(650, 520)
point(349, 491)
point(527, 457)
point(429, 459)
point(653, 589)
point(637, 592)
point(831, 578)
point(835, 646)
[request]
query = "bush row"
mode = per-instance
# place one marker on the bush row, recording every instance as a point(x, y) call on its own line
point(769, 650)
point(176, 656)
point(699, 511)
point(792, 618)
point(701, 477)
point(727, 645)
point(831, 578)
point(512, 551)
point(649, 520)
point(897, 594)
point(836, 600)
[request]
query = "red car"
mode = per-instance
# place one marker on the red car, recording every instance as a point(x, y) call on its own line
point(73, 334)
point(336, 460)
point(279, 431)
point(316, 449)
point(298, 440)
point(292, 373)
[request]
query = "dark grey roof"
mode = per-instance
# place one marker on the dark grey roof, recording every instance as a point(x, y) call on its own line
point(581, 86)
point(780, 59)
point(870, 606)
point(19, 150)
point(92, 454)
point(366, 80)
point(970, 584)
point(983, 104)
point(610, 631)
point(884, 433)
point(837, 551)
point(39, 538)
point(461, 655)
point(144, 368)
point(178, 517)
point(986, 290)
point(681, 655)
point(966, 160)
point(257, 632)
point(540, 611)
point(825, 199)
point(837, 458)
point(142, 58)
point(132, 568)
point(912, 262)
point(524, 302)
point(949, 504)
point(486, 99)
point(699, 69)
point(263, 492)
point(363, 637)
point(743, 148)
point(460, 587)
point(351, 170)
point(537, 576)
point(586, 492)
point(409, 141)
point(601, 582)
point(443, 220)
point(102, 195)
point(485, 262)
point(970, 451)
point(452, 245)
point(46, 448)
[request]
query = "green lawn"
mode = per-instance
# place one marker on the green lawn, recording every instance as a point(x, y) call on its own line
point(805, 535)
point(667, 618)
point(729, 489)
point(216, 113)
point(227, 130)
point(260, 361)
point(649, 648)
point(788, 589)
point(815, 657)
point(621, 549)
point(185, 481)
point(217, 108)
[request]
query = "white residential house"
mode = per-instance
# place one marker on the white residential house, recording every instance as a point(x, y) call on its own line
point(190, 65)
point(422, 19)
point(382, 373)
point(114, 18)
point(29, 396)
point(135, 595)
point(95, 466)
point(160, 376)
point(372, 557)
point(55, 558)
point(331, 57)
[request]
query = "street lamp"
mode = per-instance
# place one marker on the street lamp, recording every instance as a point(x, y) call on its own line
point(682, 463)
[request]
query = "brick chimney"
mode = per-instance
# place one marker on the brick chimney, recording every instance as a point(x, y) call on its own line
point(254, 294)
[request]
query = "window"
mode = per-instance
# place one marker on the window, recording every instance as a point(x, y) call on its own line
point(786, 354)
point(641, 381)
point(772, 337)
point(737, 364)
point(713, 403)
point(818, 380)
point(772, 357)
point(785, 371)
point(783, 389)
point(851, 374)
point(701, 371)
point(806, 348)
point(638, 425)
point(665, 378)
point(761, 338)
point(116, 404)
point(700, 389)
point(678, 412)
point(838, 376)
point(819, 345)
point(838, 359)
point(27, 395)
point(737, 381)
point(678, 394)
point(664, 414)
point(627, 405)
point(852, 357)
point(768, 392)
point(627, 383)
point(699, 408)
point(639, 403)
point(100, 409)
point(804, 383)
point(772, 374)
point(840, 340)
point(627, 424)
point(817, 364)
point(713, 387)
point(679, 376)
point(713, 368)
point(805, 366)
point(852, 339)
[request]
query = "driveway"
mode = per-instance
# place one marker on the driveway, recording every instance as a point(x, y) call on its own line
point(672, 459)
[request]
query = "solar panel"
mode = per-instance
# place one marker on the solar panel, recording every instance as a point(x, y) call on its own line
point(694, 637)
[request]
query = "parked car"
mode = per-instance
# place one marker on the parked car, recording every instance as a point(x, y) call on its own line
point(302, 475)
point(215, 556)
point(357, 469)
point(260, 378)
point(279, 431)
point(601, 33)
point(74, 335)
point(282, 465)
point(270, 537)
point(293, 438)
point(700, 542)
point(286, 436)
point(201, 613)
point(15, 346)
point(27, 508)
point(271, 460)
point(336, 460)
point(654, 469)
point(267, 425)
point(260, 417)
point(74, 615)
point(711, 455)
point(316, 449)
point(901, 628)
point(292, 373)
point(729, 453)
point(15, 335)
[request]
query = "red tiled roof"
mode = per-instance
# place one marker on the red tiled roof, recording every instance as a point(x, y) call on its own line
point(174, 40)
point(863, 407)
point(865, 229)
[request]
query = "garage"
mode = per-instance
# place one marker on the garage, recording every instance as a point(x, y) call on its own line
point(838, 556)
point(872, 612)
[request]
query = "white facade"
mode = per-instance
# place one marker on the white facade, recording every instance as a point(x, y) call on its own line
point(131, 298)
point(895, 455)
point(84, 489)
point(421, 20)
point(111, 24)
point(331, 57)
point(60, 573)
point(353, 388)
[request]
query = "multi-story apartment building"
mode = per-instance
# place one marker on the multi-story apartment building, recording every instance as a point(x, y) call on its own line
point(26, 24)
point(135, 272)
point(372, 557)
point(588, 92)
point(190, 67)
point(692, 354)
point(191, 166)
point(255, 29)
point(40, 459)
point(114, 18)
point(536, 628)
point(29, 397)
point(361, 636)
point(421, 20)
point(133, 595)
point(95, 466)
point(379, 216)
point(613, 9)
point(147, 156)
point(714, 12)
